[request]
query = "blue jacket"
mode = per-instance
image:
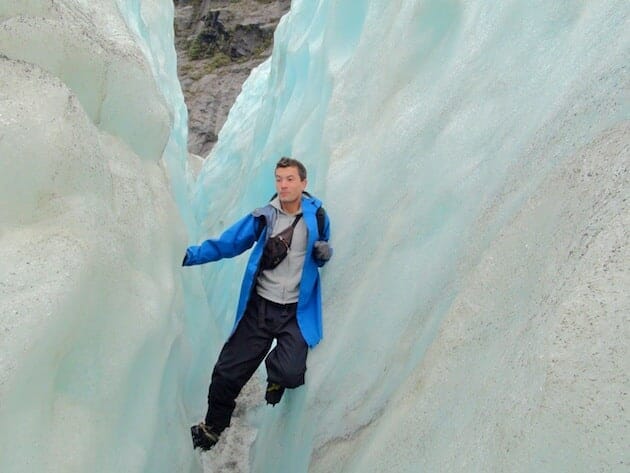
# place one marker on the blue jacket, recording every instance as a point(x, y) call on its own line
point(243, 234)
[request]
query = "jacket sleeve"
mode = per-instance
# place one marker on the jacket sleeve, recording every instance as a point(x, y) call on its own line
point(234, 241)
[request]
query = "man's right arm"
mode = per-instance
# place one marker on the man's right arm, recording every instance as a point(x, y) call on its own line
point(234, 241)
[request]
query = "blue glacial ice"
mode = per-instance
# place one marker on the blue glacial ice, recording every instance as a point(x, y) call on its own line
point(473, 158)
point(470, 156)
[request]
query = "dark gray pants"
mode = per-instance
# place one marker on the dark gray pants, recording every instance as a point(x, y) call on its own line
point(247, 347)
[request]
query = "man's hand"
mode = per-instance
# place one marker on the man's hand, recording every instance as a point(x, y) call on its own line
point(322, 250)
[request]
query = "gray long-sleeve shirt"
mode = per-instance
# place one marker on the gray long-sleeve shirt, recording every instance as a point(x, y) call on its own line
point(282, 283)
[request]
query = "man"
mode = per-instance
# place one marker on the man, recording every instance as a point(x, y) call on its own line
point(280, 296)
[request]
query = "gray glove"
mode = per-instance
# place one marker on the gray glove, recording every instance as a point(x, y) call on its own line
point(322, 250)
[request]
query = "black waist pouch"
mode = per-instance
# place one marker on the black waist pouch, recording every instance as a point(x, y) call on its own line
point(277, 247)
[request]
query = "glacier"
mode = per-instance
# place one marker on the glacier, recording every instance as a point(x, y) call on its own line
point(473, 158)
point(91, 124)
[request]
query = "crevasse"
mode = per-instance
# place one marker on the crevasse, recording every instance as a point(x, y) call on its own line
point(473, 159)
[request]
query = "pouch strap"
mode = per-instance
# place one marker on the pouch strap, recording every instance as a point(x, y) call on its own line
point(296, 220)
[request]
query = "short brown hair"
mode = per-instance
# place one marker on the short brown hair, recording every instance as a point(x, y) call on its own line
point(286, 162)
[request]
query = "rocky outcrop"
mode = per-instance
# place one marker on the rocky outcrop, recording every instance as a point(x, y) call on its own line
point(218, 43)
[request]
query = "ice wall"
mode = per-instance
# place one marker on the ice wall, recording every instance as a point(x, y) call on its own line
point(473, 157)
point(474, 160)
point(91, 306)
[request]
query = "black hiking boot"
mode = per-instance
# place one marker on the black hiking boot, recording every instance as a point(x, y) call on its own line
point(274, 393)
point(204, 436)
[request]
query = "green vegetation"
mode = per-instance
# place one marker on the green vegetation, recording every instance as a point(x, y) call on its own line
point(218, 60)
point(206, 67)
point(195, 49)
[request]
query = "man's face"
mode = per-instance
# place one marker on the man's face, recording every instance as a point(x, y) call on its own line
point(289, 186)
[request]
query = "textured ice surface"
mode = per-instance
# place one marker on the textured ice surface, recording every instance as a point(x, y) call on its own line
point(474, 160)
point(90, 241)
